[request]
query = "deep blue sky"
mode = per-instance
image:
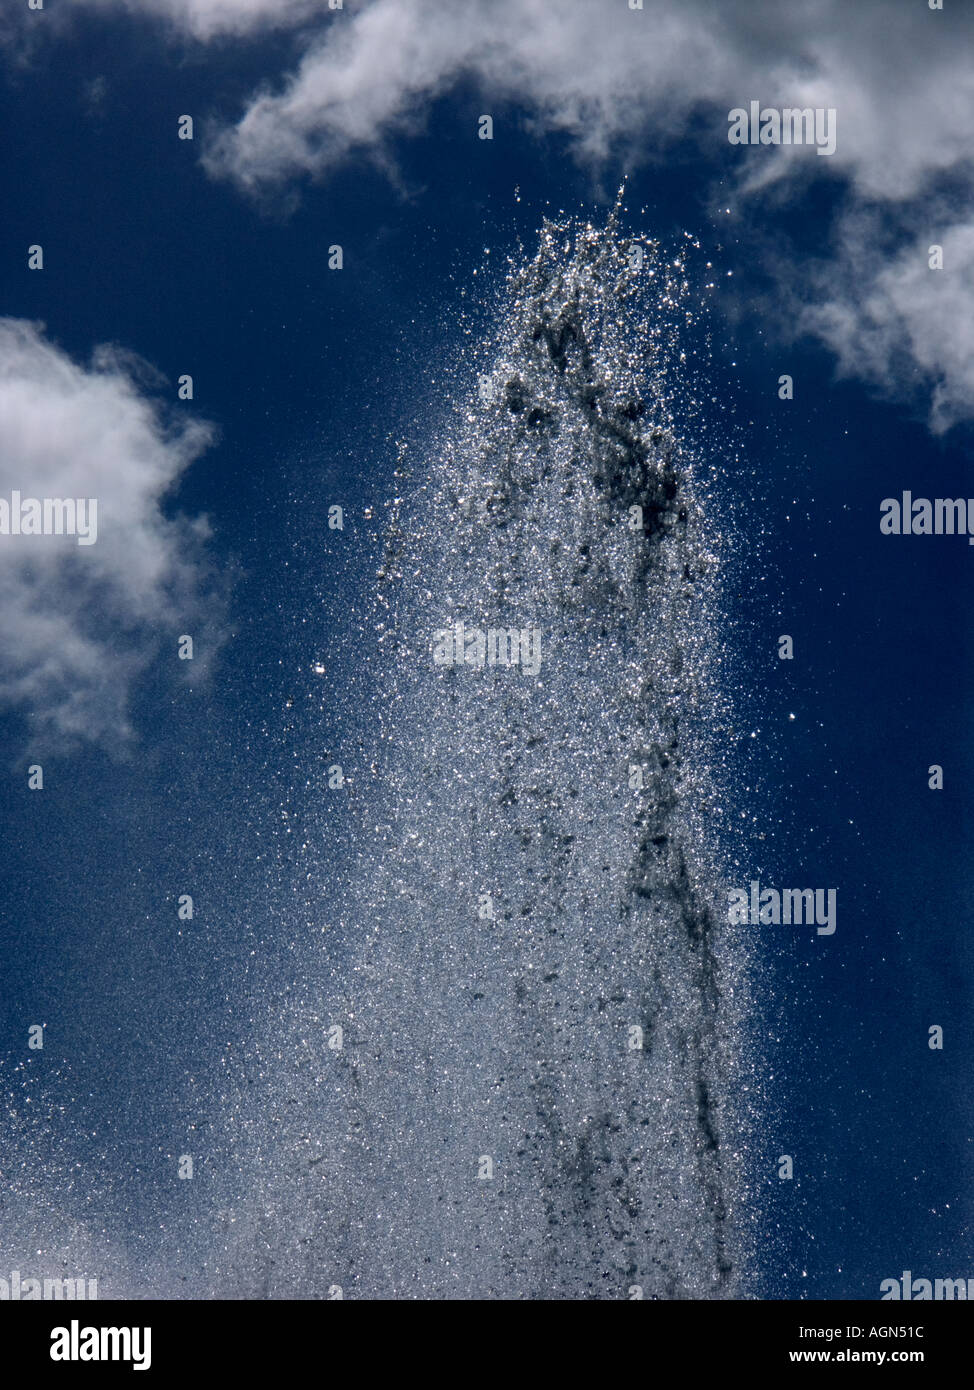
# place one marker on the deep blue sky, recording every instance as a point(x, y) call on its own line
point(310, 377)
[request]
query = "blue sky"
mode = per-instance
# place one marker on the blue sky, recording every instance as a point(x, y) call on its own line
point(358, 127)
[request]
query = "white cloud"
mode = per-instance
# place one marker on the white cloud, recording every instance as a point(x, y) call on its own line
point(889, 321)
point(81, 622)
point(897, 72)
point(633, 84)
point(899, 78)
point(600, 73)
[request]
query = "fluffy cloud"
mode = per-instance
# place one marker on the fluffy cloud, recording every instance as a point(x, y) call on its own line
point(896, 71)
point(632, 84)
point(82, 621)
point(890, 320)
point(610, 77)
